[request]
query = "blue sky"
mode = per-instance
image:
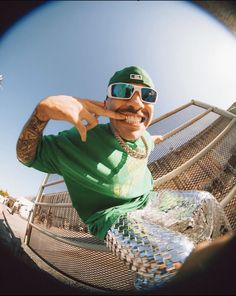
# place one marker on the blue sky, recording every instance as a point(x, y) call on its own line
point(74, 47)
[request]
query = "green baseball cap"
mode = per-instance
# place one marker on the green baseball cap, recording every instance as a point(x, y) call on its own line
point(132, 74)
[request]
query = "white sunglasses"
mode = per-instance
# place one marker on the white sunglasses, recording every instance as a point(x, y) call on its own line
point(124, 91)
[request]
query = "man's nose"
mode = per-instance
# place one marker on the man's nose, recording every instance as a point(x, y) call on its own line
point(136, 101)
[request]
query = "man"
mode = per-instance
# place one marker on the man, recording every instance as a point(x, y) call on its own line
point(92, 155)
point(105, 169)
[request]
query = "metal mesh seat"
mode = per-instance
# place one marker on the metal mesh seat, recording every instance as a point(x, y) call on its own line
point(198, 153)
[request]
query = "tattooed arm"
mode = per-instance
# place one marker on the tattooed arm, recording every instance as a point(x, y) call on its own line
point(67, 108)
point(28, 140)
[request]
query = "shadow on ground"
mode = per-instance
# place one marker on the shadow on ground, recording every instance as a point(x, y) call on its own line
point(20, 275)
point(210, 270)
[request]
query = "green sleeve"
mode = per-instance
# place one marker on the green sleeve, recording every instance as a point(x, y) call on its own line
point(46, 158)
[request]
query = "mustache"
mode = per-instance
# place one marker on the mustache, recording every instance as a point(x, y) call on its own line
point(129, 109)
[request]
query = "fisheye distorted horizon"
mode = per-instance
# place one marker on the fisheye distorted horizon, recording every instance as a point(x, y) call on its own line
point(74, 47)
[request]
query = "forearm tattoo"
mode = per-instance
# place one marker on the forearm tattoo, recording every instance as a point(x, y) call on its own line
point(28, 140)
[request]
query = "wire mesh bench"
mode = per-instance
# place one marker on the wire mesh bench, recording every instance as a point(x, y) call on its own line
point(198, 153)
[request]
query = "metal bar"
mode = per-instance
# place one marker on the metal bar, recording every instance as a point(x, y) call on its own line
point(171, 112)
point(215, 109)
point(39, 195)
point(47, 204)
point(83, 245)
point(32, 213)
point(53, 183)
point(186, 124)
point(191, 161)
point(228, 197)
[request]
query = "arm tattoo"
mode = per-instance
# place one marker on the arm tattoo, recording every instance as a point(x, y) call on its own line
point(28, 140)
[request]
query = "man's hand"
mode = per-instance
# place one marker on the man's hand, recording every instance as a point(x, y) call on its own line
point(82, 113)
point(157, 139)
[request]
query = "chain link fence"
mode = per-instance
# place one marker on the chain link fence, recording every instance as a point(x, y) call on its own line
point(198, 153)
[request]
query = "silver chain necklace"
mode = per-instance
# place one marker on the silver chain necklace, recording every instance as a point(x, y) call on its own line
point(127, 149)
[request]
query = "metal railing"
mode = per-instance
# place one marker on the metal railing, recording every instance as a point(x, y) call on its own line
point(194, 155)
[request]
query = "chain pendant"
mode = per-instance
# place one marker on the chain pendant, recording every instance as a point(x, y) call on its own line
point(127, 149)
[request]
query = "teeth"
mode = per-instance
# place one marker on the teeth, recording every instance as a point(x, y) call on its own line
point(133, 119)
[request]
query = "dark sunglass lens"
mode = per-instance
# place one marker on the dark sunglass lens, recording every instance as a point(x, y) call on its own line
point(121, 90)
point(149, 95)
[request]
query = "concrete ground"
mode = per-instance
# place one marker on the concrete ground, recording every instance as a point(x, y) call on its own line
point(22, 272)
point(210, 270)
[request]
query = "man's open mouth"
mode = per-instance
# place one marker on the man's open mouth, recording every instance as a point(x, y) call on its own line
point(134, 119)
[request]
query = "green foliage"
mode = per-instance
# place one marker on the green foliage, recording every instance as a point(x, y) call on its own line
point(4, 193)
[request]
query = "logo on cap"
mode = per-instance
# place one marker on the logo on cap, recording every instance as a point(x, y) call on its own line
point(136, 76)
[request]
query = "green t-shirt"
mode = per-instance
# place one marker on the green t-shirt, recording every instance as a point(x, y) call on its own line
point(103, 181)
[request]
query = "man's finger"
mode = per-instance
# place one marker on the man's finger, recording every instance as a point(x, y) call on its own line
point(111, 114)
point(101, 111)
point(90, 126)
point(97, 103)
point(82, 131)
point(92, 120)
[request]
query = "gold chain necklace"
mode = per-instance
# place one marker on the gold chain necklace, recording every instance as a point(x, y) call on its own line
point(128, 150)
